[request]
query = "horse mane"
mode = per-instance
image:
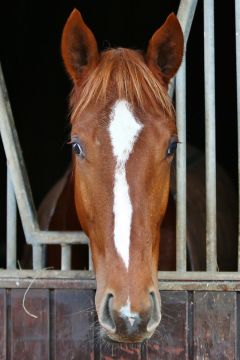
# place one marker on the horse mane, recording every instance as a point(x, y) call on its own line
point(122, 74)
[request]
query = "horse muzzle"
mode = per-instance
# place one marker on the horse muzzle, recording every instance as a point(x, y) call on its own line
point(120, 324)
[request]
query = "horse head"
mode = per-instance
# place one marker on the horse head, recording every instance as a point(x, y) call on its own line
point(123, 138)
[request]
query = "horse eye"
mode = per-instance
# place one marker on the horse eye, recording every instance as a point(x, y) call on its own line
point(172, 148)
point(78, 150)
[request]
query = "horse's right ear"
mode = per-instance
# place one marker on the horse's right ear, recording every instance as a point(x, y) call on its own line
point(79, 46)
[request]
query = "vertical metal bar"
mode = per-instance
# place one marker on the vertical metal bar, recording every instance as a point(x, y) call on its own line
point(90, 263)
point(209, 81)
point(186, 11)
point(185, 15)
point(16, 163)
point(181, 226)
point(237, 26)
point(65, 257)
point(11, 224)
point(38, 257)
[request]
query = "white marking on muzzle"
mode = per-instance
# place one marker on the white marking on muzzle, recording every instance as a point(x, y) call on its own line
point(124, 130)
point(125, 312)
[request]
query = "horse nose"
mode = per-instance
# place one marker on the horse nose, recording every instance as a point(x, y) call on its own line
point(148, 317)
point(155, 316)
point(125, 322)
point(106, 314)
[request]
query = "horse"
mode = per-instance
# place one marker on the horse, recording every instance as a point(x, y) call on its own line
point(120, 187)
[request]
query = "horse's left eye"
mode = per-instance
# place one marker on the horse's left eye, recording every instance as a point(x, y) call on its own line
point(172, 148)
point(78, 149)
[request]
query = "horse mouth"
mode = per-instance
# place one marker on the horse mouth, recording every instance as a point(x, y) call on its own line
point(116, 338)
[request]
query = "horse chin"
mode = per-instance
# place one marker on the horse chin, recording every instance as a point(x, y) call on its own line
point(116, 339)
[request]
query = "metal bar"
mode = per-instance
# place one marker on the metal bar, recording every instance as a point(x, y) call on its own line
point(21, 185)
point(59, 237)
point(90, 283)
point(199, 275)
point(66, 257)
point(199, 285)
point(185, 16)
point(186, 11)
point(38, 257)
point(214, 281)
point(15, 163)
point(181, 209)
point(11, 225)
point(209, 81)
point(188, 276)
point(90, 263)
point(237, 26)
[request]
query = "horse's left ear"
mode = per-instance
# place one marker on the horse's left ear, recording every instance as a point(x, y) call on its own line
point(79, 46)
point(165, 48)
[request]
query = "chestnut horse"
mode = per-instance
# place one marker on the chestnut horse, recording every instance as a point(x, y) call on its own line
point(123, 138)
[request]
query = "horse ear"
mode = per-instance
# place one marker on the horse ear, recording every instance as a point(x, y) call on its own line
point(79, 46)
point(165, 48)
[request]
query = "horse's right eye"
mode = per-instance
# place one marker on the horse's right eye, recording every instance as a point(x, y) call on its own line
point(78, 149)
point(172, 148)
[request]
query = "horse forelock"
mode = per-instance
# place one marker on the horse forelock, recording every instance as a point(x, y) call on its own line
point(120, 74)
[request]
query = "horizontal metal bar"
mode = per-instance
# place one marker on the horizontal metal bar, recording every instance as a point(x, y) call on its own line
point(86, 280)
point(11, 224)
point(218, 285)
point(46, 274)
point(58, 237)
point(199, 275)
point(55, 283)
point(188, 276)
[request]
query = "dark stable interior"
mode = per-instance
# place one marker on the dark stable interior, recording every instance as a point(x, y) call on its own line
point(38, 85)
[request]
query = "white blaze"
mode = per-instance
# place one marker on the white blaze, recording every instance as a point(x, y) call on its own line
point(124, 130)
point(125, 312)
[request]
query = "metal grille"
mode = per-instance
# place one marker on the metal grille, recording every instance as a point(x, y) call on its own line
point(19, 191)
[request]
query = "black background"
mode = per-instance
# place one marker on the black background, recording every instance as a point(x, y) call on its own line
point(38, 86)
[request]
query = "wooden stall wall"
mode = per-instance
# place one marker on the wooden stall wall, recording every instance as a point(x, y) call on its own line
point(195, 325)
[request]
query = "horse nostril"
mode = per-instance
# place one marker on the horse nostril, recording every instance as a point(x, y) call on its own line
point(106, 316)
point(155, 317)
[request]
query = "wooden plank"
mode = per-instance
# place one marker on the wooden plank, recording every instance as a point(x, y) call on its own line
point(238, 325)
point(73, 321)
point(29, 337)
point(170, 339)
point(120, 352)
point(3, 325)
point(215, 325)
